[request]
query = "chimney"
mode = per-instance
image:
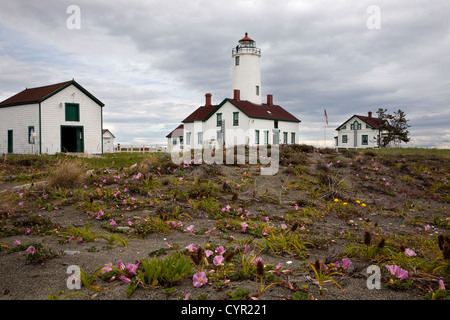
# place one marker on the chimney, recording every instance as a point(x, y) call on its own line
point(270, 99)
point(208, 99)
point(370, 114)
point(237, 94)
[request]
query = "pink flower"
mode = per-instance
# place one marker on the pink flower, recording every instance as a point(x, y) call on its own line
point(283, 226)
point(397, 271)
point(187, 296)
point(27, 231)
point(190, 228)
point(256, 260)
point(218, 260)
point(112, 223)
point(132, 268)
point(199, 279)
point(124, 279)
point(244, 226)
point(191, 247)
point(441, 285)
point(427, 227)
point(121, 265)
point(107, 268)
point(410, 252)
point(346, 263)
point(220, 250)
point(17, 242)
point(31, 250)
point(208, 253)
point(99, 214)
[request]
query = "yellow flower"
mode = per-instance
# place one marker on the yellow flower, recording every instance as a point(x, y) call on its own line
point(363, 205)
point(357, 201)
point(336, 200)
point(345, 203)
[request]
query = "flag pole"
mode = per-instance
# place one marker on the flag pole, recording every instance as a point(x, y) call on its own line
point(325, 135)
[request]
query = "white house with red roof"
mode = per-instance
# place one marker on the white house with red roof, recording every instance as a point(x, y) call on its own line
point(360, 132)
point(62, 117)
point(241, 119)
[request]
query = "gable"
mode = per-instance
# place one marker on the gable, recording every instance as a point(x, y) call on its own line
point(372, 122)
point(178, 131)
point(39, 94)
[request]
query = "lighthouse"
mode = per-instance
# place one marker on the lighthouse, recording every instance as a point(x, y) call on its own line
point(246, 70)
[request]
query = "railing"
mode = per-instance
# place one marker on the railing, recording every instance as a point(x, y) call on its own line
point(141, 148)
point(246, 50)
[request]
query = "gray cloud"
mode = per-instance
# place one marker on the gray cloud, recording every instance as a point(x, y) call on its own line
point(152, 62)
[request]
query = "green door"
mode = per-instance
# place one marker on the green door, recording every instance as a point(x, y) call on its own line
point(80, 142)
point(10, 141)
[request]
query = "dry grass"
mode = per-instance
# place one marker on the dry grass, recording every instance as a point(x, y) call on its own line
point(67, 174)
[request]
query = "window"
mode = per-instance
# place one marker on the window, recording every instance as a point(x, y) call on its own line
point(266, 137)
point(72, 112)
point(365, 139)
point(275, 137)
point(355, 126)
point(235, 118)
point(200, 137)
point(188, 138)
point(257, 90)
point(219, 119)
point(285, 138)
point(174, 141)
point(292, 137)
point(236, 60)
point(31, 136)
point(256, 136)
point(344, 138)
point(275, 124)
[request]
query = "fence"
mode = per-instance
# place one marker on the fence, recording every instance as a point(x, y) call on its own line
point(141, 148)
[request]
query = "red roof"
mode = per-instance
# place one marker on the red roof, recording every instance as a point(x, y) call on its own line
point(38, 94)
point(201, 114)
point(261, 111)
point(178, 132)
point(371, 121)
point(374, 122)
point(246, 38)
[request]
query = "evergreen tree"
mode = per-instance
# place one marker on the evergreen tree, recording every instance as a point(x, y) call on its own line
point(395, 127)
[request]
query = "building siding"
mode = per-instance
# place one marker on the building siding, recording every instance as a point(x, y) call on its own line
point(244, 133)
point(18, 119)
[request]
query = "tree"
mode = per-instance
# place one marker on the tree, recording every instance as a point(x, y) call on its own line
point(395, 127)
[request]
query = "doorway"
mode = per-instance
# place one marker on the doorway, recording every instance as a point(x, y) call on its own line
point(10, 141)
point(72, 139)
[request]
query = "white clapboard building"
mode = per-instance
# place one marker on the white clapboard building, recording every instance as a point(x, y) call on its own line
point(62, 117)
point(360, 132)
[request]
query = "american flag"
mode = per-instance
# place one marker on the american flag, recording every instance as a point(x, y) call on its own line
point(326, 116)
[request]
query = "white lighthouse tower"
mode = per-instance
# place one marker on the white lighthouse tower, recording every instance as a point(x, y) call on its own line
point(246, 71)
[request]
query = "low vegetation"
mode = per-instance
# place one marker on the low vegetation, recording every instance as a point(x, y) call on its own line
point(309, 232)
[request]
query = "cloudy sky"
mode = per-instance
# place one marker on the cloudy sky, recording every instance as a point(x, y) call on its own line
point(151, 62)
